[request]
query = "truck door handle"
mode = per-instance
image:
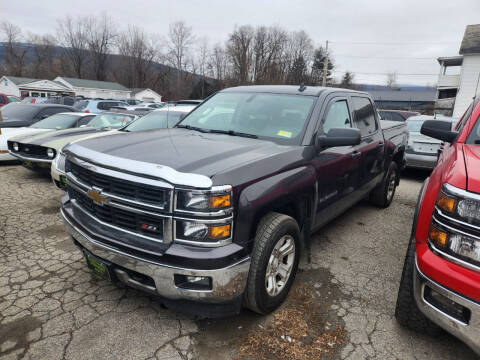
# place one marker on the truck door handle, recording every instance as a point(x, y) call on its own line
point(380, 144)
point(356, 154)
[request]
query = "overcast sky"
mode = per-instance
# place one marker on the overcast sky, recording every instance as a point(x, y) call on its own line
point(375, 36)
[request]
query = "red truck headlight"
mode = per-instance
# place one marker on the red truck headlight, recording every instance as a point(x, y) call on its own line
point(455, 227)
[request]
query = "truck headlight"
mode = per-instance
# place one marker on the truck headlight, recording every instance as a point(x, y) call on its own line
point(60, 163)
point(50, 153)
point(212, 200)
point(15, 146)
point(450, 232)
point(204, 233)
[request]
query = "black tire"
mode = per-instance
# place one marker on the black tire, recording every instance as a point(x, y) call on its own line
point(381, 196)
point(407, 312)
point(270, 230)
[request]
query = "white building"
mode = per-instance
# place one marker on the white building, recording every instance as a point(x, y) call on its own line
point(458, 81)
point(24, 87)
point(94, 88)
point(146, 95)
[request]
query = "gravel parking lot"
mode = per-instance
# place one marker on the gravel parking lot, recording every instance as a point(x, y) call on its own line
point(342, 305)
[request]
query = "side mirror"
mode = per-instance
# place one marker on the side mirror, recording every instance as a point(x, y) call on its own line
point(440, 130)
point(338, 137)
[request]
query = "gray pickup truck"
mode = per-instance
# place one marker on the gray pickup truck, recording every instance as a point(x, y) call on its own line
point(213, 214)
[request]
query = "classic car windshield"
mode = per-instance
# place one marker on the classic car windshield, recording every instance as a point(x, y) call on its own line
point(156, 120)
point(278, 117)
point(111, 121)
point(57, 121)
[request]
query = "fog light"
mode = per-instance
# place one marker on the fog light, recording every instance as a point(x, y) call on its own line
point(51, 153)
point(15, 146)
point(444, 304)
point(202, 283)
point(437, 236)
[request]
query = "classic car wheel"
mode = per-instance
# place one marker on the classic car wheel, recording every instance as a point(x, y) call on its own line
point(274, 263)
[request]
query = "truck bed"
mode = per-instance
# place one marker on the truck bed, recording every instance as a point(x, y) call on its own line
point(395, 131)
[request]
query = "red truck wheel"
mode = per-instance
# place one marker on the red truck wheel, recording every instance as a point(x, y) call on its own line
point(275, 257)
point(407, 312)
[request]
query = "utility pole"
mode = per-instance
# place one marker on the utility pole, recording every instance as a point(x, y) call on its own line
point(325, 66)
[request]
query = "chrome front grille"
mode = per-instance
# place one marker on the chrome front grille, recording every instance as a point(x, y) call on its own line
point(135, 205)
point(121, 188)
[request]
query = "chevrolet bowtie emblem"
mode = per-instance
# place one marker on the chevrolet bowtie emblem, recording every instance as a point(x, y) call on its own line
point(97, 197)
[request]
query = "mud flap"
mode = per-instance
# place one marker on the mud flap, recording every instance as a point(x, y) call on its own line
point(307, 239)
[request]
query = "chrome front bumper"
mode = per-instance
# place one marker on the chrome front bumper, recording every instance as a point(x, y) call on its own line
point(467, 332)
point(44, 163)
point(228, 284)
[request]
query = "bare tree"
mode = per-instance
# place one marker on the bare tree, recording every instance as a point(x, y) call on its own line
point(15, 51)
point(43, 56)
point(240, 50)
point(180, 39)
point(72, 36)
point(218, 62)
point(268, 50)
point(138, 52)
point(100, 35)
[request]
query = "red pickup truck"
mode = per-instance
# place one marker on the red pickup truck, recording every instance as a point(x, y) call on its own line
point(440, 285)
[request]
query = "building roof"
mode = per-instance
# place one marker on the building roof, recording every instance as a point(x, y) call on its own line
point(137, 90)
point(94, 84)
point(471, 40)
point(403, 95)
point(451, 60)
point(20, 80)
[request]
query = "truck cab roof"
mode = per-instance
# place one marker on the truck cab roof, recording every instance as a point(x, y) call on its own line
point(290, 90)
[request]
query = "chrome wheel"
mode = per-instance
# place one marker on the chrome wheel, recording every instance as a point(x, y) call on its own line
point(280, 265)
point(391, 185)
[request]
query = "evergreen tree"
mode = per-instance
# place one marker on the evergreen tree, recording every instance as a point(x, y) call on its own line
point(318, 67)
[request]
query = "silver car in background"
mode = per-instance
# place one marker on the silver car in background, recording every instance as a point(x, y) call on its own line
point(422, 151)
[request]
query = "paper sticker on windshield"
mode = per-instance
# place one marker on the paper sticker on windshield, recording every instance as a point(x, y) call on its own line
point(284, 133)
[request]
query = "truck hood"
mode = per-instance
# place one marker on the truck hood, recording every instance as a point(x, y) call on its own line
point(188, 152)
point(472, 166)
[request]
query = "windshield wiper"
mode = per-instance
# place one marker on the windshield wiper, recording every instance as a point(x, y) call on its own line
point(193, 128)
point(234, 133)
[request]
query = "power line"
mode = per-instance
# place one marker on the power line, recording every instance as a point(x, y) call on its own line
point(373, 73)
point(384, 57)
point(394, 42)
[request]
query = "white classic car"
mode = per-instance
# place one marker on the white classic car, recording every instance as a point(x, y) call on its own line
point(55, 122)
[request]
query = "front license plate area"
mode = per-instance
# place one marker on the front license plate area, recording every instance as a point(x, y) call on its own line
point(28, 164)
point(98, 266)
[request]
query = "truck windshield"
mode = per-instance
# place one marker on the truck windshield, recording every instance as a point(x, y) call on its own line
point(415, 125)
point(57, 121)
point(110, 121)
point(474, 137)
point(278, 117)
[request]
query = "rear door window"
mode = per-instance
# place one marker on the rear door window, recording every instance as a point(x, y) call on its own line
point(364, 115)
